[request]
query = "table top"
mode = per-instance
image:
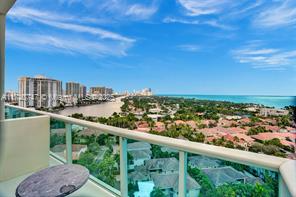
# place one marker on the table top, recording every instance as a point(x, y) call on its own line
point(56, 181)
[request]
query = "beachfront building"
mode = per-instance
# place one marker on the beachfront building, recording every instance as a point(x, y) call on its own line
point(39, 92)
point(273, 112)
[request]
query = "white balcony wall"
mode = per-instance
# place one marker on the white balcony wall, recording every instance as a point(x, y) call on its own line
point(24, 146)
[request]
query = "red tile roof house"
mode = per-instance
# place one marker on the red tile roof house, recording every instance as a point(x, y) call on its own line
point(159, 126)
point(208, 122)
point(269, 121)
point(236, 130)
point(244, 140)
point(191, 123)
point(287, 139)
point(77, 149)
point(215, 131)
point(142, 126)
point(290, 129)
point(272, 128)
point(227, 123)
point(179, 122)
point(244, 121)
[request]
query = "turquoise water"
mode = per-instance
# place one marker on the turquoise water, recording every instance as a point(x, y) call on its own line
point(271, 101)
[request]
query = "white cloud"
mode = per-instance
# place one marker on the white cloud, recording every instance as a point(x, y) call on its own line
point(66, 44)
point(189, 47)
point(281, 14)
point(265, 58)
point(178, 20)
point(76, 38)
point(25, 13)
point(57, 21)
point(203, 7)
point(212, 23)
point(141, 11)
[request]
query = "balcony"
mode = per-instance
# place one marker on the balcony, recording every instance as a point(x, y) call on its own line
point(126, 163)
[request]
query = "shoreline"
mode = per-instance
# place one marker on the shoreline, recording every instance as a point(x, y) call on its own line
point(270, 101)
point(99, 110)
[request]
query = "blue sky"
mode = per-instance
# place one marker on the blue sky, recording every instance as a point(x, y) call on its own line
point(173, 46)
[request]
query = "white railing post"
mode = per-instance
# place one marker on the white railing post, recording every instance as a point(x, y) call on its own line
point(182, 173)
point(123, 167)
point(69, 143)
point(283, 190)
point(287, 179)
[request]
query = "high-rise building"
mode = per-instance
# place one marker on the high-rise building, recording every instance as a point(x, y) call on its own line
point(39, 92)
point(82, 91)
point(11, 97)
point(146, 92)
point(101, 90)
point(109, 91)
point(97, 90)
point(73, 89)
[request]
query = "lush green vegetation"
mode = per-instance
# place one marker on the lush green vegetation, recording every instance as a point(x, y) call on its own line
point(267, 189)
point(157, 193)
point(257, 130)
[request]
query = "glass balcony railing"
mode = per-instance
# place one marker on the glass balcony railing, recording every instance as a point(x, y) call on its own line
point(130, 163)
point(13, 113)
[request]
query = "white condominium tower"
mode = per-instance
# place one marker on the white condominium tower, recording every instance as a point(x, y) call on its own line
point(39, 92)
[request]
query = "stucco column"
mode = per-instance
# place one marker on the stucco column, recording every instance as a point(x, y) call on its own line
point(2, 64)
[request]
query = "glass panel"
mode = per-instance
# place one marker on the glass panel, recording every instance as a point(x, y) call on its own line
point(13, 113)
point(99, 152)
point(223, 178)
point(58, 139)
point(152, 170)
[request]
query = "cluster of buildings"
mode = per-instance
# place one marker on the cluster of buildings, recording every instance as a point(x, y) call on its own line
point(234, 130)
point(43, 92)
point(143, 92)
point(163, 173)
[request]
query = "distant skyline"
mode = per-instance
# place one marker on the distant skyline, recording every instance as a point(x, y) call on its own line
point(245, 47)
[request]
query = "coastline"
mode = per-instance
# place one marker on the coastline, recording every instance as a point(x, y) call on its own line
point(99, 110)
point(270, 101)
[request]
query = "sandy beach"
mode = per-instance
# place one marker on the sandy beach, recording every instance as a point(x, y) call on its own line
point(100, 110)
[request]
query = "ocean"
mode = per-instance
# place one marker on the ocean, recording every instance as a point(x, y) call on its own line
point(270, 101)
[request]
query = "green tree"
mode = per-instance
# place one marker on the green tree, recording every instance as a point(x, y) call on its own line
point(284, 121)
point(157, 193)
point(256, 130)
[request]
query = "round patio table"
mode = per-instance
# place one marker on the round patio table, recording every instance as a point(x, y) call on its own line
point(56, 181)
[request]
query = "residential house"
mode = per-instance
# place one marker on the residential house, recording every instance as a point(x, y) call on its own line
point(201, 162)
point(140, 152)
point(168, 183)
point(227, 175)
point(77, 150)
point(162, 165)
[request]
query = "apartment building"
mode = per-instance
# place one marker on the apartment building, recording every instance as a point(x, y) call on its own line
point(39, 92)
